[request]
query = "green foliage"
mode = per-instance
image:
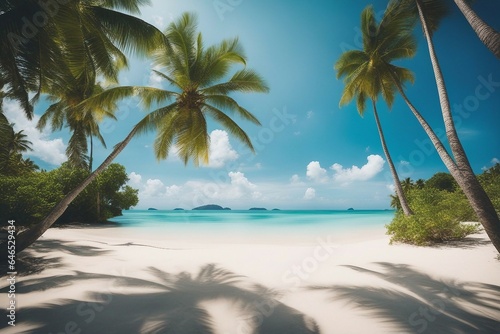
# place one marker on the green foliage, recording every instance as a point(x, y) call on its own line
point(442, 181)
point(104, 198)
point(437, 218)
point(29, 198)
point(439, 208)
point(490, 180)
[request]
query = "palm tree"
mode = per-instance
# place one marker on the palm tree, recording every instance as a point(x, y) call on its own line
point(15, 143)
point(19, 143)
point(489, 36)
point(430, 12)
point(82, 122)
point(366, 76)
point(199, 74)
point(86, 35)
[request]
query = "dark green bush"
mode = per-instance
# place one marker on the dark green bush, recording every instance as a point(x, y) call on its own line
point(437, 218)
point(29, 198)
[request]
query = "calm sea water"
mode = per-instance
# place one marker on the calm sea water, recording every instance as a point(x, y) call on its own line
point(236, 224)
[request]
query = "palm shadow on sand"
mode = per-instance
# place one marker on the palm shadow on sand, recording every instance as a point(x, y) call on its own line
point(165, 304)
point(418, 303)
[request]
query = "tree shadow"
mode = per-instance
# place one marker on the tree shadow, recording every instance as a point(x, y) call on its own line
point(419, 303)
point(466, 243)
point(50, 245)
point(33, 260)
point(165, 304)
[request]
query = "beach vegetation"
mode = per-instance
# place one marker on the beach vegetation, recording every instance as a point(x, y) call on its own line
point(438, 217)
point(29, 197)
point(442, 211)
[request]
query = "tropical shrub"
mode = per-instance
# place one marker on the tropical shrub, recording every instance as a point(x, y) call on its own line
point(30, 197)
point(438, 217)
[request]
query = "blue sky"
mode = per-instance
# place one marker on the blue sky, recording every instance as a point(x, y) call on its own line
point(311, 154)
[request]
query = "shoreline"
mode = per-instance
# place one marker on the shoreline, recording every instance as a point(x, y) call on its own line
point(353, 286)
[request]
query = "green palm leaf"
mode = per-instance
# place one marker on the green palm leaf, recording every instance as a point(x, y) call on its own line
point(230, 125)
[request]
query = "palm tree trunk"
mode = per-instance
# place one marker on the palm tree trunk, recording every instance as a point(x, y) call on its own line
point(399, 189)
point(486, 33)
point(26, 238)
point(91, 155)
point(479, 200)
point(438, 145)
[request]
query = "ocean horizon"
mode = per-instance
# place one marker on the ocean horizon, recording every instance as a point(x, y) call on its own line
point(241, 225)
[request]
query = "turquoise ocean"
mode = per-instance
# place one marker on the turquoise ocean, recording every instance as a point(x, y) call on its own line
point(256, 225)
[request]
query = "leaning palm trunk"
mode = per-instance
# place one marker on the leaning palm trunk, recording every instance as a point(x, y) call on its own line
point(489, 36)
point(479, 200)
point(26, 238)
point(399, 189)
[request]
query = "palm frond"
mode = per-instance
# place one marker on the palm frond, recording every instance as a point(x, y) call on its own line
point(131, 34)
point(349, 61)
point(216, 62)
point(368, 29)
point(230, 125)
point(77, 149)
point(182, 41)
point(169, 79)
point(157, 118)
point(225, 102)
point(242, 81)
point(150, 95)
point(192, 139)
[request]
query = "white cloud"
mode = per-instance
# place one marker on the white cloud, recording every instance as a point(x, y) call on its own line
point(173, 190)
point(310, 114)
point(49, 150)
point(134, 179)
point(153, 188)
point(404, 163)
point(346, 175)
point(295, 179)
point(316, 173)
point(221, 150)
point(495, 161)
point(241, 187)
point(310, 194)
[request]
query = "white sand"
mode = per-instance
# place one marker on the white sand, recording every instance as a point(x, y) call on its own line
point(98, 281)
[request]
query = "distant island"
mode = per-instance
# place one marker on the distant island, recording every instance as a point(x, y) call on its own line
point(152, 209)
point(350, 209)
point(257, 209)
point(211, 207)
point(276, 210)
point(178, 209)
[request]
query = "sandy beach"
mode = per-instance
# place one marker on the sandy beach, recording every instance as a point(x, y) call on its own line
point(110, 280)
